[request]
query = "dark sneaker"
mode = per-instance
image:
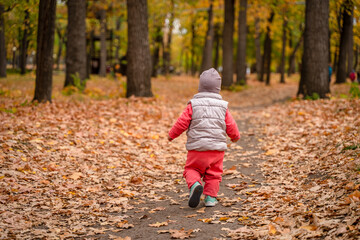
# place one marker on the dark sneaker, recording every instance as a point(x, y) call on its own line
point(195, 193)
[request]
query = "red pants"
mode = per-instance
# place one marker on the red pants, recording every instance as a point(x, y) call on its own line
point(207, 165)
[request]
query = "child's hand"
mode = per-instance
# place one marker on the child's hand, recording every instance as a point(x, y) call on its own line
point(235, 140)
point(170, 139)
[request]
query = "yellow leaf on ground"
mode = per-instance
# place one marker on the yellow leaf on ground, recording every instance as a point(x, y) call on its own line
point(309, 227)
point(76, 175)
point(201, 210)
point(272, 229)
point(271, 152)
point(159, 224)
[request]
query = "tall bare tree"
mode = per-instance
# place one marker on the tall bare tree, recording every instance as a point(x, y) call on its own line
point(228, 69)
point(44, 50)
point(282, 64)
point(158, 39)
point(139, 59)
point(24, 41)
point(167, 48)
point(2, 43)
point(257, 48)
point(209, 39)
point(314, 71)
point(103, 53)
point(76, 42)
point(266, 61)
point(217, 38)
point(241, 50)
point(345, 42)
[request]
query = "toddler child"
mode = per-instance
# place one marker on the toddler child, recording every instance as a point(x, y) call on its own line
point(207, 120)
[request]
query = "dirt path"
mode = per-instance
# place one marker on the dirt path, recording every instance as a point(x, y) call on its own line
point(174, 212)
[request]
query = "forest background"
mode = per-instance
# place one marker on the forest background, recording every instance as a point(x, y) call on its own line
point(185, 37)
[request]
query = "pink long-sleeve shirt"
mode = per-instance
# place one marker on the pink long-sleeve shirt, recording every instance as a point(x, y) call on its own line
point(184, 120)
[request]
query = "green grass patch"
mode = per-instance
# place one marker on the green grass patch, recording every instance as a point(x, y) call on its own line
point(351, 147)
point(9, 110)
point(354, 90)
point(238, 88)
point(314, 96)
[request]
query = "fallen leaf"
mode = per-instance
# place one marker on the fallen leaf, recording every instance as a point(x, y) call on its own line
point(272, 229)
point(309, 227)
point(201, 210)
point(159, 224)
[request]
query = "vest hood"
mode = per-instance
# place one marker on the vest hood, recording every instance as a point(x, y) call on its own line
point(210, 81)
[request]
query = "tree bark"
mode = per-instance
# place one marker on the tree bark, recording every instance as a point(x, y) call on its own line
point(156, 54)
point(336, 56)
point(241, 51)
point(192, 50)
point(76, 42)
point(228, 68)
point(60, 49)
point(258, 48)
point(103, 57)
point(167, 49)
point(139, 59)
point(2, 43)
point(282, 64)
point(217, 45)
point(345, 41)
point(24, 42)
point(356, 57)
point(351, 45)
point(266, 64)
point(209, 39)
point(44, 51)
point(118, 26)
point(291, 69)
point(314, 70)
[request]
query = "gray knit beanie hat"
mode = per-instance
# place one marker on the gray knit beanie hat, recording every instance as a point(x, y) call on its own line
point(210, 81)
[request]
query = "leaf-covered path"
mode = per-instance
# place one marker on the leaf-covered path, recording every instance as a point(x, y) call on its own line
point(169, 215)
point(83, 168)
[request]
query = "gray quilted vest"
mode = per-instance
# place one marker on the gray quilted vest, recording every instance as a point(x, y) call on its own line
point(207, 130)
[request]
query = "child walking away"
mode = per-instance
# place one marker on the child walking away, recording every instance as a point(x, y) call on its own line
point(207, 120)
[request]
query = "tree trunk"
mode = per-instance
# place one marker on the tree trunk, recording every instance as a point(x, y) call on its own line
point(258, 48)
point(156, 54)
point(228, 68)
point(2, 44)
point(192, 50)
point(167, 49)
point(266, 65)
point(139, 59)
point(291, 69)
point(241, 51)
point(118, 26)
point(345, 41)
point(60, 49)
point(24, 42)
point(187, 62)
point(103, 57)
point(336, 56)
point(44, 51)
point(91, 54)
point(351, 46)
point(217, 45)
point(282, 64)
point(315, 70)
point(209, 39)
point(356, 58)
point(76, 42)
